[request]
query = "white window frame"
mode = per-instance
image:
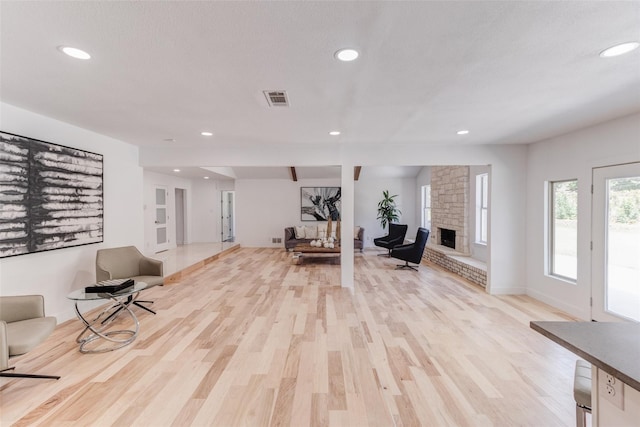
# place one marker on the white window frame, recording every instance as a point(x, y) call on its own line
point(426, 206)
point(551, 232)
point(482, 208)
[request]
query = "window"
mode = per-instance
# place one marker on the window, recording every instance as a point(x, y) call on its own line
point(426, 206)
point(563, 229)
point(482, 207)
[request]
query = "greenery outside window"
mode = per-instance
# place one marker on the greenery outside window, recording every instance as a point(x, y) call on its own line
point(563, 229)
point(482, 207)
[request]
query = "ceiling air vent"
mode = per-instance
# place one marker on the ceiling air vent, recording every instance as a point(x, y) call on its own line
point(277, 98)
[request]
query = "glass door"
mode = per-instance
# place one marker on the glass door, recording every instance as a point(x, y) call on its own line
point(615, 262)
point(162, 242)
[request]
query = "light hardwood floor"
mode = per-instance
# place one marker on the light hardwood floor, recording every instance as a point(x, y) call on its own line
point(252, 340)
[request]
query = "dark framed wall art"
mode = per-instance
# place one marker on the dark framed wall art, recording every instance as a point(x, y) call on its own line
point(51, 196)
point(320, 203)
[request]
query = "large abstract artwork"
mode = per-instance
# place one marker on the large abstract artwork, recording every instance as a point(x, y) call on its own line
point(51, 196)
point(319, 203)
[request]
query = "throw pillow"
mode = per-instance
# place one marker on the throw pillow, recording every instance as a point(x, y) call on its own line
point(300, 232)
point(311, 232)
point(357, 231)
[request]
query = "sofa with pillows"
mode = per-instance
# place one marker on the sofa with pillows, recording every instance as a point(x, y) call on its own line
point(307, 233)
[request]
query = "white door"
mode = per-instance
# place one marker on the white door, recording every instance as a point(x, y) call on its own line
point(227, 216)
point(615, 258)
point(162, 241)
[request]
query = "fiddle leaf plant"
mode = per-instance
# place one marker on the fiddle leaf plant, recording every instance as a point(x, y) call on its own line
point(388, 212)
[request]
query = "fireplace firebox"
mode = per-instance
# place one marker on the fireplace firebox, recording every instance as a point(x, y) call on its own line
point(448, 238)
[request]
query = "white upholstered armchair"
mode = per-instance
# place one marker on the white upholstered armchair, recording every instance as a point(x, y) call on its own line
point(127, 262)
point(23, 326)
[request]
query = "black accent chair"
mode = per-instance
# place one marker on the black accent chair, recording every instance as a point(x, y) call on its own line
point(413, 251)
point(394, 238)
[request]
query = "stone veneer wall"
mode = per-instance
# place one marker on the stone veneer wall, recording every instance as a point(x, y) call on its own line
point(449, 204)
point(472, 274)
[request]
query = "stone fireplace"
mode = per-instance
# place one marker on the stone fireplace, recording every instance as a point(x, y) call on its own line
point(449, 243)
point(449, 207)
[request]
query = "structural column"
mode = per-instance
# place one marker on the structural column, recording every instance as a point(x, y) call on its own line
point(347, 226)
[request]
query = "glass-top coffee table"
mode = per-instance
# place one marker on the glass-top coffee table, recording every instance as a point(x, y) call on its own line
point(102, 326)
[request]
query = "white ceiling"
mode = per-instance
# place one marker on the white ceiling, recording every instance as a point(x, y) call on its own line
point(510, 72)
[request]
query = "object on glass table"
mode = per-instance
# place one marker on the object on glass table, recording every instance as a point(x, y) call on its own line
point(110, 286)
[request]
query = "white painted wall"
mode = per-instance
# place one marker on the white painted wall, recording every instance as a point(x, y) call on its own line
point(368, 192)
point(507, 202)
point(56, 273)
point(206, 209)
point(202, 208)
point(265, 207)
point(568, 157)
point(279, 202)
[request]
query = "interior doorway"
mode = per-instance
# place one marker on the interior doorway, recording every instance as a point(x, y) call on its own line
point(227, 209)
point(180, 198)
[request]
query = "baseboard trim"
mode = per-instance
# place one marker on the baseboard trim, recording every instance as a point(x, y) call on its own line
point(519, 290)
point(560, 305)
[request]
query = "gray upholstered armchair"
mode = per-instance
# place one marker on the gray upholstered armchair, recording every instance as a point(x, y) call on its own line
point(23, 326)
point(128, 263)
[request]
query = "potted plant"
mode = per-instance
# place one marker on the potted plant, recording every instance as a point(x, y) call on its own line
point(388, 212)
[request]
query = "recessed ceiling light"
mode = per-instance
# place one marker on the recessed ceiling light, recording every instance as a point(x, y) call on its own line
point(206, 177)
point(462, 132)
point(334, 133)
point(74, 53)
point(346, 54)
point(169, 140)
point(206, 133)
point(619, 49)
point(176, 170)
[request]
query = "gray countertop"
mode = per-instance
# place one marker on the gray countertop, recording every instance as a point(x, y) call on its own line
point(612, 347)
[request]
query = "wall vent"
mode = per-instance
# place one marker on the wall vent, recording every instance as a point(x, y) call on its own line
point(276, 98)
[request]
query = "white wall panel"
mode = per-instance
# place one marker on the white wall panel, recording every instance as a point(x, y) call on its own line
point(265, 207)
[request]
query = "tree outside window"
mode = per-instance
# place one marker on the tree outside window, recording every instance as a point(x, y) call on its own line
point(563, 230)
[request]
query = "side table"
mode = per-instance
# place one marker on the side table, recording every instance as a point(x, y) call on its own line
point(99, 326)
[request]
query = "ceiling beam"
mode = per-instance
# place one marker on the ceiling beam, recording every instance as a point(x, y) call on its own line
point(294, 177)
point(356, 172)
